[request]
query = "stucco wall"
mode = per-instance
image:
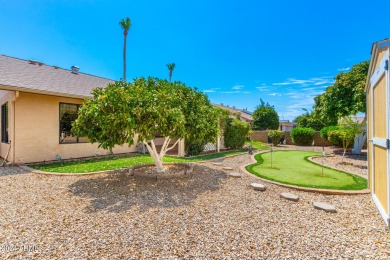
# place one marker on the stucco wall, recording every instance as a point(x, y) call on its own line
point(37, 131)
point(7, 96)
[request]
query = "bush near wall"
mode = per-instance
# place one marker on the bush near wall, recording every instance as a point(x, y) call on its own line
point(235, 133)
point(193, 148)
point(336, 138)
point(324, 131)
point(302, 135)
point(275, 136)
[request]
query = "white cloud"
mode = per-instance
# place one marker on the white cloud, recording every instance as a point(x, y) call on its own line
point(318, 81)
point(275, 94)
point(212, 90)
point(237, 87)
point(264, 88)
point(344, 69)
point(235, 92)
point(300, 93)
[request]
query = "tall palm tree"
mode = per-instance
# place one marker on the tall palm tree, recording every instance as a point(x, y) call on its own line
point(171, 67)
point(125, 24)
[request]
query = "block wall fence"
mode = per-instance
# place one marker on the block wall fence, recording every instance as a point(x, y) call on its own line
point(262, 136)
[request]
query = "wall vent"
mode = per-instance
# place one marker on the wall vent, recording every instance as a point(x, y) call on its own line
point(75, 69)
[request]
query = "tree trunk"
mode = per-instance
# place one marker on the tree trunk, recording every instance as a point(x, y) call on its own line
point(157, 157)
point(124, 57)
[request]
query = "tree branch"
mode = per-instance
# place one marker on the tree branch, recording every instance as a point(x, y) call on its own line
point(170, 148)
point(152, 149)
point(166, 143)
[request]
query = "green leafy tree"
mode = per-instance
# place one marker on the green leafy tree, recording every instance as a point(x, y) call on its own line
point(171, 67)
point(275, 136)
point(265, 117)
point(302, 135)
point(349, 130)
point(311, 120)
point(345, 97)
point(125, 24)
point(235, 133)
point(123, 112)
point(324, 131)
point(195, 146)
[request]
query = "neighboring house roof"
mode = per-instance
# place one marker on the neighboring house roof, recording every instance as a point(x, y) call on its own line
point(286, 123)
point(36, 77)
point(244, 113)
point(358, 119)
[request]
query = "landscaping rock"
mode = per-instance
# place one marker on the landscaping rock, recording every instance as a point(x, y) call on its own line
point(228, 168)
point(217, 163)
point(289, 196)
point(324, 206)
point(258, 186)
point(235, 174)
point(205, 215)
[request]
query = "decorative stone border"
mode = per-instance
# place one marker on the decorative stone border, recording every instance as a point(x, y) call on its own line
point(188, 169)
point(315, 190)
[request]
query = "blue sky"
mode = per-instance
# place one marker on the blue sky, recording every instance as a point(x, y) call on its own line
point(237, 52)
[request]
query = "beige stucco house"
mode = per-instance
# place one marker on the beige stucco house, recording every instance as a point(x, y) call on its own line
point(286, 125)
point(38, 102)
point(245, 115)
point(378, 128)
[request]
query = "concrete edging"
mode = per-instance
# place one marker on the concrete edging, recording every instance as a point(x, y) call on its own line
point(314, 190)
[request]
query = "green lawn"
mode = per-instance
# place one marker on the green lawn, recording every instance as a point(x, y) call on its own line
point(293, 167)
point(258, 145)
point(125, 161)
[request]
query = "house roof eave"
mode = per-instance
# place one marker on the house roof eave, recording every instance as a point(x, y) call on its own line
point(42, 92)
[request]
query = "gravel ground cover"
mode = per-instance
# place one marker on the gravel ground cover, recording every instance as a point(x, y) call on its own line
point(201, 215)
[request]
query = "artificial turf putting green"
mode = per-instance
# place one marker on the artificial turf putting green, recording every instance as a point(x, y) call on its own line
point(293, 167)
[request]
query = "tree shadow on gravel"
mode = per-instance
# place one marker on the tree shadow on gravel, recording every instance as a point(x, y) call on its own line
point(120, 191)
point(9, 170)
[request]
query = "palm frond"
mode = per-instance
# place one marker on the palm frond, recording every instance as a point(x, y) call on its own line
point(125, 23)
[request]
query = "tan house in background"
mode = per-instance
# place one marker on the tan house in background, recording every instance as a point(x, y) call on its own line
point(286, 125)
point(378, 128)
point(38, 103)
point(245, 115)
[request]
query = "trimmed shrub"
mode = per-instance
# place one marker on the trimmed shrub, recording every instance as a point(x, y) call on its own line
point(235, 133)
point(302, 135)
point(324, 131)
point(193, 148)
point(275, 136)
point(335, 137)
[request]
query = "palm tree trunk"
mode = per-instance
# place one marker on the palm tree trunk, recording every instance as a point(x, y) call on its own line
point(124, 57)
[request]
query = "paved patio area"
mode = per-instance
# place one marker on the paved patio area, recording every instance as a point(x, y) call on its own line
point(205, 214)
